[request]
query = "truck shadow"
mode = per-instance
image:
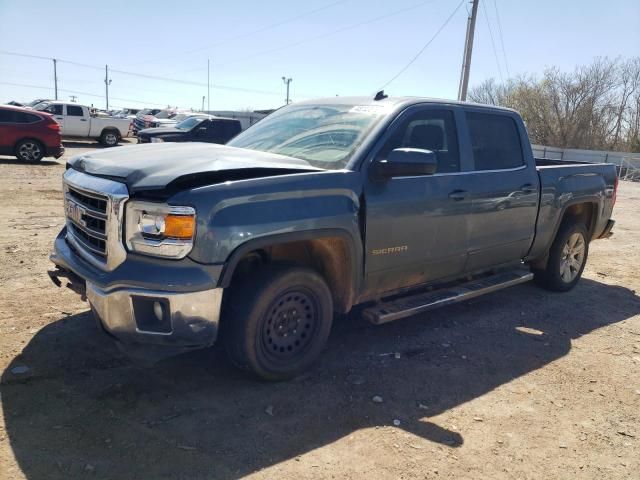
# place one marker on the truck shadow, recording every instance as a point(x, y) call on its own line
point(14, 161)
point(83, 407)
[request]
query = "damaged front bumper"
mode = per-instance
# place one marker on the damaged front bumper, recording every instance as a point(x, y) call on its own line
point(169, 306)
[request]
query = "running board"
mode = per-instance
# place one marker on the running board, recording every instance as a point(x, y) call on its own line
point(415, 304)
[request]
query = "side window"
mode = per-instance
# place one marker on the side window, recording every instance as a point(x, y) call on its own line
point(7, 116)
point(495, 141)
point(54, 109)
point(433, 130)
point(74, 111)
point(231, 129)
point(23, 117)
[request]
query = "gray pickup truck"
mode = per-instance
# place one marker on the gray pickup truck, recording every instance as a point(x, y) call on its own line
point(399, 204)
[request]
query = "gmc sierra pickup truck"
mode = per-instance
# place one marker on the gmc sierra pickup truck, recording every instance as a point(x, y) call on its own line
point(400, 204)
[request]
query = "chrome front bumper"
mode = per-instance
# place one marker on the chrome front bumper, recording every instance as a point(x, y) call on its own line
point(178, 319)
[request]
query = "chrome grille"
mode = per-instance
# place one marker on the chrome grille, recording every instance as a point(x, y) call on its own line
point(93, 210)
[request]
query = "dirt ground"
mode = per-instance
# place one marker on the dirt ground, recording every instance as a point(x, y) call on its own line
point(522, 383)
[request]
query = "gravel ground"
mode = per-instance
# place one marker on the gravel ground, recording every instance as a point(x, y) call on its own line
point(522, 383)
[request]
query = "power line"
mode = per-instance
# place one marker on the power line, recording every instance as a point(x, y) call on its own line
point(247, 34)
point(77, 92)
point(150, 77)
point(424, 47)
point(493, 45)
point(504, 52)
point(328, 34)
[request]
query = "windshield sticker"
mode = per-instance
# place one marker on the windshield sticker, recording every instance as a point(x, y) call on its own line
point(370, 109)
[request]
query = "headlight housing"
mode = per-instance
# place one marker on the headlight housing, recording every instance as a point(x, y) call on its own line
point(156, 140)
point(159, 230)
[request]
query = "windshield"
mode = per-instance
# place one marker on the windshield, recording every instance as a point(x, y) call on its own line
point(326, 136)
point(189, 123)
point(41, 106)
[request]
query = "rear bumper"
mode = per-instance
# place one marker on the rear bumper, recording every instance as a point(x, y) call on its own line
point(606, 233)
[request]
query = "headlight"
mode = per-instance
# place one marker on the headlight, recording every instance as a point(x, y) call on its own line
point(156, 140)
point(159, 230)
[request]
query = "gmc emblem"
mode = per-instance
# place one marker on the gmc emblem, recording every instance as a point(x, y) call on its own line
point(75, 212)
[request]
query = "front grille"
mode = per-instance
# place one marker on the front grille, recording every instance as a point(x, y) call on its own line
point(88, 224)
point(93, 209)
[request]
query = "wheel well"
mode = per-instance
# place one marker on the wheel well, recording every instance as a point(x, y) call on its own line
point(110, 129)
point(581, 213)
point(329, 256)
point(584, 213)
point(15, 146)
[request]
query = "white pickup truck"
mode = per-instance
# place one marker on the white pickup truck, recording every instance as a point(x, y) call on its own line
point(77, 121)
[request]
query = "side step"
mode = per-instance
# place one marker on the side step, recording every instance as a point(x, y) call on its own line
point(422, 302)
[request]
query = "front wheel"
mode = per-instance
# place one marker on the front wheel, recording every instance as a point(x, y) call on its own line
point(567, 258)
point(276, 323)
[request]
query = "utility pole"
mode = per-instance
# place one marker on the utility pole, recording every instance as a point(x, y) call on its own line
point(287, 81)
point(208, 85)
point(468, 48)
point(107, 82)
point(55, 76)
point(202, 109)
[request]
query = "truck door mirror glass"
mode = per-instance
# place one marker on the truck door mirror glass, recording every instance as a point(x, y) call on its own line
point(405, 162)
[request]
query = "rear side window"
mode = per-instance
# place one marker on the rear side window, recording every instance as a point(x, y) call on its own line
point(74, 111)
point(23, 117)
point(495, 141)
point(231, 129)
point(9, 116)
point(6, 116)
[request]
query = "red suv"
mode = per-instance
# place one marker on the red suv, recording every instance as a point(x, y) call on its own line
point(28, 134)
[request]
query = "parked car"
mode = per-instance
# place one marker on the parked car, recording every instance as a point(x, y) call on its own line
point(76, 121)
point(394, 203)
point(193, 129)
point(177, 118)
point(146, 117)
point(15, 103)
point(29, 135)
point(37, 101)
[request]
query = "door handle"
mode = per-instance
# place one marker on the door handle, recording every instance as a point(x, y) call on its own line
point(458, 195)
point(527, 188)
point(83, 119)
point(59, 118)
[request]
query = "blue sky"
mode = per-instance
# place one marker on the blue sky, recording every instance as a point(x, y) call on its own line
point(328, 47)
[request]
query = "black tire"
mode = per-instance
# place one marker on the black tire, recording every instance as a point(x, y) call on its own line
point(555, 276)
point(276, 323)
point(29, 150)
point(110, 138)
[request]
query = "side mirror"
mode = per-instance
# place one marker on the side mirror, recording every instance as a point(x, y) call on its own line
point(405, 162)
point(201, 131)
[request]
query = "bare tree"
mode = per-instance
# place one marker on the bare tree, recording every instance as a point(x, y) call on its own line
point(594, 107)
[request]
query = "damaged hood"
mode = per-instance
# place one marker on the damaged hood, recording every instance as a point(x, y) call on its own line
point(157, 166)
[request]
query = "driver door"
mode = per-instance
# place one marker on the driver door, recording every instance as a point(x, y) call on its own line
point(417, 227)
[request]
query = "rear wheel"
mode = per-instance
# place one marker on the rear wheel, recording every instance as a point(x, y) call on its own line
point(109, 138)
point(29, 150)
point(567, 258)
point(276, 323)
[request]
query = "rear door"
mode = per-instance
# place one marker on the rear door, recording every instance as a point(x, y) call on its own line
point(504, 191)
point(76, 121)
point(417, 227)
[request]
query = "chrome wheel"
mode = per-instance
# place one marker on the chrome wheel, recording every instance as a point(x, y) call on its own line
point(110, 139)
point(30, 151)
point(572, 259)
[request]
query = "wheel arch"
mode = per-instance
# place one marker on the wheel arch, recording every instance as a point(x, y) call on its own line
point(333, 253)
point(584, 210)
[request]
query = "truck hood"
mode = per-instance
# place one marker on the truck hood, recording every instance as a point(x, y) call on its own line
point(152, 132)
point(175, 166)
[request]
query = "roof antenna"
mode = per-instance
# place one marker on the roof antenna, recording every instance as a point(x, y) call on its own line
point(380, 96)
